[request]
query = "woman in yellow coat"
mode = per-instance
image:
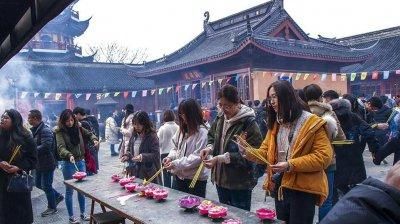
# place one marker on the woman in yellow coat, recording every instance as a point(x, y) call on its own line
point(298, 149)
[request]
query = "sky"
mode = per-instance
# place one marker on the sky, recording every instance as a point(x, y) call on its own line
point(163, 26)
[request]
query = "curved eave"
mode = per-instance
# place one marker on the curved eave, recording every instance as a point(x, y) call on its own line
point(240, 47)
point(313, 56)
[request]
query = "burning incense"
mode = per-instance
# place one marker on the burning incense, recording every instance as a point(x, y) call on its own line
point(342, 142)
point(196, 176)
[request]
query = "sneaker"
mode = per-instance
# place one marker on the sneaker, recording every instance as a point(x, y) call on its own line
point(73, 220)
point(59, 199)
point(48, 212)
point(84, 217)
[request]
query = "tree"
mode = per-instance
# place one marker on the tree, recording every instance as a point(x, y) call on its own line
point(114, 52)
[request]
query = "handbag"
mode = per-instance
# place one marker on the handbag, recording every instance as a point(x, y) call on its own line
point(20, 183)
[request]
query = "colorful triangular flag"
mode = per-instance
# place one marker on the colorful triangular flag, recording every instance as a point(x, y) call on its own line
point(144, 93)
point(58, 96)
point(88, 96)
point(46, 95)
point(220, 81)
point(24, 94)
point(305, 76)
point(160, 90)
point(204, 84)
point(323, 77)
point(194, 85)
point(187, 87)
point(106, 95)
point(134, 94)
point(334, 77)
point(343, 77)
point(116, 94)
point(36, 95)
point(126, 93)
point(385, 74)
point(77, 95)
point(298, 76)
point(397, 72)
point(353, 76)
point(364, 75)
point(315, 76)
point(169, 89)
point(375, 75)
point(153, 91)
point(98, 96)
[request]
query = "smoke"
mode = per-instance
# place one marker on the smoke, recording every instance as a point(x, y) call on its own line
point(15, 77)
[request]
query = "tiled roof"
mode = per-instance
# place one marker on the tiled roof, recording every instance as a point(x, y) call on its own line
point(76, 77)
point(386, 50)
point(68, 56)
point(228, 36)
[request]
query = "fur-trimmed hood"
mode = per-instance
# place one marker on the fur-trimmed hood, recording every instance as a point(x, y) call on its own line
point(319, 108)
point(341, 106)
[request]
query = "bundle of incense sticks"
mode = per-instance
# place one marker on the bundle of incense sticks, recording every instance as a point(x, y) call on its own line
point(15, 152)
point(250, 149)
point(196, 175)
point(153, 177)
point(393, 114)
point(342, 142)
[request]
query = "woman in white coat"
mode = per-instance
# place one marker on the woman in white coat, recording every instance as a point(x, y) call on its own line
point(111, 133)
point(126, 129)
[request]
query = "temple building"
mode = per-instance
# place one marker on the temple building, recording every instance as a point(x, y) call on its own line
point(248, 49)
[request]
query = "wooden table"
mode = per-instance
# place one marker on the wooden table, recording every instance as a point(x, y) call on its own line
point(101, 189)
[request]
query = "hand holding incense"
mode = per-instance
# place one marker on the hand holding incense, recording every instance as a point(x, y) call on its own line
point(196, 176)
point(153, 177)
point(15, 152)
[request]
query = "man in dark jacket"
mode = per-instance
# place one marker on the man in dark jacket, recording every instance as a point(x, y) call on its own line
point(86, 122)
point(378, 114)
point(46, 165)
point(371, 202)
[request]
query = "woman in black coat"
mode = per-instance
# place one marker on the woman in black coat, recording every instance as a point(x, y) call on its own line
point(350, 168)
point(15, 208)
point(143, 154)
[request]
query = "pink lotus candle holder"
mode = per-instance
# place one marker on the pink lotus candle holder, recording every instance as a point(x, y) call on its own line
point(205, 206)
point(189, 202)
point(130, 187)
point(232, 221)
point(266, 214)
point(160, 194)
point(125, 181)
point(116, 177)
point(79, 176)
point(218, 212)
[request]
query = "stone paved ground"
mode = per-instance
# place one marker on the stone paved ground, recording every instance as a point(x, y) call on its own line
point(110, 164)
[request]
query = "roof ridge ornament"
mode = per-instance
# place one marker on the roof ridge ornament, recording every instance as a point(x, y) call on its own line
point(248, 25)
point(207, 27)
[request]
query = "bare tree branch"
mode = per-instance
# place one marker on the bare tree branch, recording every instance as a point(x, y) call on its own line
point(113, 52)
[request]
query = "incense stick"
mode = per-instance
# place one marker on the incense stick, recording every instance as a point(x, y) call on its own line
point(250, 149)
point(76, 167)
point(15, 152)
point(153, 177)
point(196, 176)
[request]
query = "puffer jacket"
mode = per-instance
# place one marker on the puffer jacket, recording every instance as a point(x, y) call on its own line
point(226, 175)
point(66, 149)
point(44, 139)
point(111, 132)
point(310, 154)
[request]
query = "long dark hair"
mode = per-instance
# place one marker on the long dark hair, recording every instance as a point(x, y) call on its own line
point(73, 132)
point(142, 118)
point(289, 104)
point(230, 93)
point(194, 117)
point(18, 132)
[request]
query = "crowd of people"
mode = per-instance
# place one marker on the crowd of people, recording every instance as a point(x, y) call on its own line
point(308, 145)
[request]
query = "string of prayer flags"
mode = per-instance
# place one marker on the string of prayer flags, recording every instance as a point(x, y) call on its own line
point(385, 74)
point(353, 76)
point(364, 75)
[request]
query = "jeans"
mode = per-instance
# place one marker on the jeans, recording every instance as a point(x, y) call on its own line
point(112, 149)
point(297, 207)
point(237, 198)
point(183, 185)
point(328, 204)
point(166, 175)
point(44, 181)
point(68, 170)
